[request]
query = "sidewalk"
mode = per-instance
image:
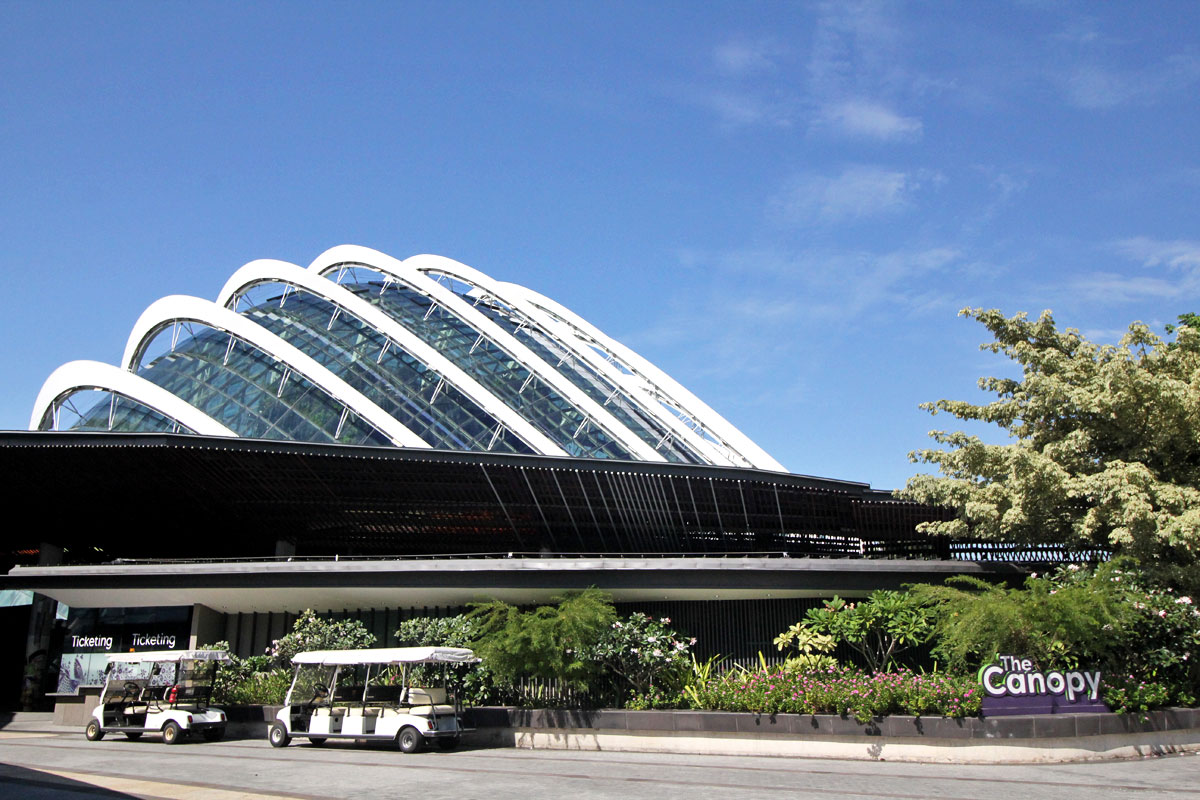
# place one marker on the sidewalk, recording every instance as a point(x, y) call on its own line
point(33, 722)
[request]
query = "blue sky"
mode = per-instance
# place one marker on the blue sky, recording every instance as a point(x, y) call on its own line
point(781, 204)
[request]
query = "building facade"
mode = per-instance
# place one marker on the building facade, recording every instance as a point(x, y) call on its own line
point(380, 438)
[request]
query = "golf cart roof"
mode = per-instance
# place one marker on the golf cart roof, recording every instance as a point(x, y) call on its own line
point(169, 655)
point(387, 655)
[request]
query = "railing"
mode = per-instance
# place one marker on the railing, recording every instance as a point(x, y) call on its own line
point(931, 549)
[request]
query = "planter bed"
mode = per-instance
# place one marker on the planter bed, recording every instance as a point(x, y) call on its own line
point(1047, 737)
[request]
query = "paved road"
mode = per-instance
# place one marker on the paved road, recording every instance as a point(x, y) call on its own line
point(46, 766)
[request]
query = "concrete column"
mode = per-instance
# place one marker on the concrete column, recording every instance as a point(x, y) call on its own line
point(42, 615)
point(207, 626)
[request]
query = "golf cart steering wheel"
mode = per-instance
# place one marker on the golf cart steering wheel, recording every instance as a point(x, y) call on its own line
point(319, 694)
point(131, 691)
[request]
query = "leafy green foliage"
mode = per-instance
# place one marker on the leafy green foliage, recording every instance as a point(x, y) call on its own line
point(813, 648)
point(310, 632)
point(1059, 626)
point(248, 681)
point(456, 631)
point(1188, 318)
point(551, 642)
point(1106, 450)
point(879, 628)
point(1145, 639)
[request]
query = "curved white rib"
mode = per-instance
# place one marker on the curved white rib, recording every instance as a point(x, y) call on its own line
point(94, 375)
point(181, 308)
point(634, 387)
point(272, 271)
point(658, 383)
point(654, 383)
point(419, 282)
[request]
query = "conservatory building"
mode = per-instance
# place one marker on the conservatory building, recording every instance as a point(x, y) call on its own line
point(380, 438)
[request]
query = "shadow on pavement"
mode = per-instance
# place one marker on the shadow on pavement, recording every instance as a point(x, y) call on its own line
point(30, 784)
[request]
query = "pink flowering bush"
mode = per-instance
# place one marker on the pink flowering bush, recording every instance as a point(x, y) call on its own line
point(840, 690)
point(1127, 694)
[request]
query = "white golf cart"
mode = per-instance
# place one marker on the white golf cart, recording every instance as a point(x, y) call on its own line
point(163, 691)
point(366, 694)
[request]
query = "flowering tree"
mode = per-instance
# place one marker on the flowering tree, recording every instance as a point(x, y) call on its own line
point(643, 651)
point(1105, 450)
point(310, 632)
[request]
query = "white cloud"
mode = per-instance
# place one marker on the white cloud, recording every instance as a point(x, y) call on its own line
point(739, 57)
point(739, 109)
point(859, 192)
point(868, 120)
point(1179, 254)
point(1093, 86)
point(1108, 287)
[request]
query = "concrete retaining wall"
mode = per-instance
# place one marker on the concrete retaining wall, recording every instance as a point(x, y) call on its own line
point(1043, 738)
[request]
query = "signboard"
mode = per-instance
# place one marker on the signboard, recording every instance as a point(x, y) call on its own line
point(1016, 686)
point(95, 633)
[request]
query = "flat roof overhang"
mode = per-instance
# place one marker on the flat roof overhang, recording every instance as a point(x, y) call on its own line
point(329, 584)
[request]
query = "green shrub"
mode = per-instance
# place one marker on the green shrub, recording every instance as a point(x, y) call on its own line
point(259, 688)
point(841, 690)
point(479, 684)
point(1145, 639)
point(879, 628)
point(549, 643)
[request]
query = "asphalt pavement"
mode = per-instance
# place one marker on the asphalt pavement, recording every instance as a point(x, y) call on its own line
point(42, 762)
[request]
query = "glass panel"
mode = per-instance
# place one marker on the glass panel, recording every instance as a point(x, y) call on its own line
point(113, 412)
point(389, 376)
point(542, 405)
point(252, 393)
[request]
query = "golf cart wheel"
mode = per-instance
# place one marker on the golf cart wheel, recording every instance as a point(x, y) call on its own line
point(409, 740)
point(316, 741)
point(214, 734)
point(171, 732)
point(93, 731)
point(449, 742)
point(278, 735)
point(133, 735)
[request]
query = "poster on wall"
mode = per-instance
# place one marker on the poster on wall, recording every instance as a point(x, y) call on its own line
point(93, 634)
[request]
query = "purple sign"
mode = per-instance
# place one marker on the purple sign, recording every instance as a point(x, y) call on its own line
point(1015, 686)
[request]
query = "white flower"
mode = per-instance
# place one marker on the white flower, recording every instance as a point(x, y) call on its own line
point(657, 652)
point(1073, 567)
point(665, 620)
point(1187, 601)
